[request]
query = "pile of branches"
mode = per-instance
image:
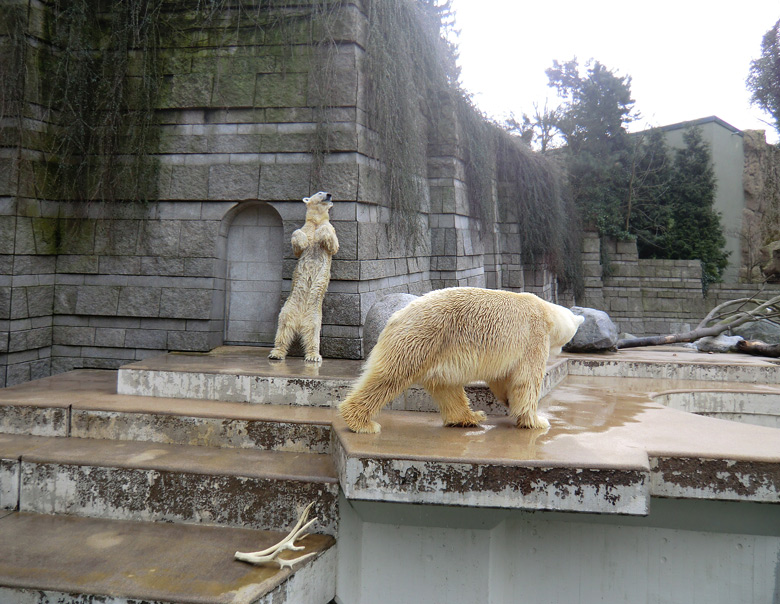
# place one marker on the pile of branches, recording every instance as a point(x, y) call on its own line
point(724, 318)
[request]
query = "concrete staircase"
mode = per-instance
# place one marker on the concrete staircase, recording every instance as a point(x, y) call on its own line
point(132, 498)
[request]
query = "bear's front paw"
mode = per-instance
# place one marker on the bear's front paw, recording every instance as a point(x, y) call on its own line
point(369, 428)
point(537, 422)
point(276, 355)
point(475, 418)
point(313, 358)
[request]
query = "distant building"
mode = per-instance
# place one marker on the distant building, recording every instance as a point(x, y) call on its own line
point(728, 159)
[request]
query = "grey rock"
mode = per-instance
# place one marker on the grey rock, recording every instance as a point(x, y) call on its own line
point(766, 331)
point(720, 343)
point(379, 314)
point(597, 333)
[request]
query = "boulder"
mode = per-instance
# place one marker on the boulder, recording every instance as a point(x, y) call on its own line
point(766, 331)
point(719, 343)
point(378, 315)
point(596, 334)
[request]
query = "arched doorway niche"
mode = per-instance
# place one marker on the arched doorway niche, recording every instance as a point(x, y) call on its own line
point(254, 249)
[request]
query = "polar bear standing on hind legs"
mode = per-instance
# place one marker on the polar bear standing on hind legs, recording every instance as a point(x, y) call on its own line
point(451, 337)
point(313, 244)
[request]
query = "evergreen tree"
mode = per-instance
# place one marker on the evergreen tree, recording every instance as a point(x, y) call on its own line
point(592, 120)
point(649, 212)
point(695, 231)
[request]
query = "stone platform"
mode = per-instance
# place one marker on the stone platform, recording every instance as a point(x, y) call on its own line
point(85, 453)
point(612, 444)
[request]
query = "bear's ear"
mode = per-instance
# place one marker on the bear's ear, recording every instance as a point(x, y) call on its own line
point(306, 200)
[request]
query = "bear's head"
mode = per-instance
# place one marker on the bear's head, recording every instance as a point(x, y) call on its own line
point(317, 206)
point(565, 325)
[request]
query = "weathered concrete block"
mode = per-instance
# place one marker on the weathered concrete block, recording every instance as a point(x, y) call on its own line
point(77, 264)
point(281, 90)
point(118, 237)
point(199, 239)
point(136, 301)
point(64, 335)
point(166, 267)
point(109, 337)
point(283, 181)
point(185, 303)
point(187, 90)
point(160, 238)
point(97, 300)
point(234, 90)
point(186, 182)
point(195, 341)
point(7, 226)
point(40, 300)
point(341, 309)
point(146, 338)
point(119, 265)
point(341, 348)
point(229, 181)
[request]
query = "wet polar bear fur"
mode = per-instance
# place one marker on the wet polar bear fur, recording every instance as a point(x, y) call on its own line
point(313, 244)
point(451, 337)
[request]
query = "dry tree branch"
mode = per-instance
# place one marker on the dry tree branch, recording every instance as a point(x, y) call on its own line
point(764, 310)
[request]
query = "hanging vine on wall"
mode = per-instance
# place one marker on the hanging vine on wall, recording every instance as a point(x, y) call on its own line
point(410, 72)
point(102, 78)
point(102, 74)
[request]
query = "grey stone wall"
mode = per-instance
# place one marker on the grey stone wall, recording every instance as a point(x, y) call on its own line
point(99, 285)
point(652, 297)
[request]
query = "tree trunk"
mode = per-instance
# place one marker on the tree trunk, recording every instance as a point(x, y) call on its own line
point(759, 348)
point(688, 336)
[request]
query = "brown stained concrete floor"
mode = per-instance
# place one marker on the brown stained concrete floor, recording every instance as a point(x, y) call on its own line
point(249, 360)
point(182, 563)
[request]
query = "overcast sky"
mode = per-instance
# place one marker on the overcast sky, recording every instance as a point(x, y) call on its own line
point(687, 58)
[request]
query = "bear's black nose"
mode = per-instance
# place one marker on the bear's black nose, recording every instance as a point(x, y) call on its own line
point(327, 196)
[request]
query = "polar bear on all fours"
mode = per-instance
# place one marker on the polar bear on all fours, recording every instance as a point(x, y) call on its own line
point(450, 337)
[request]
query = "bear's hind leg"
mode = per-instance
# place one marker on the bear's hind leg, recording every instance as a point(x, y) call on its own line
point(310, 335)
point(285, 335)
point(524, 400)
point(454, 405)
point(365, 402)
point(499, 390)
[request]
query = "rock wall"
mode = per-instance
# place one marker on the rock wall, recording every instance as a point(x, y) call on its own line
point(653, 297)
point(761, 215)
point(101, 284)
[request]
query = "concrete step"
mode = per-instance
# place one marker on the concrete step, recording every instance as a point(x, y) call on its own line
point(84, 404)
point(676, 362)
point(67, 559)
point(244, 374)
point(130, 480)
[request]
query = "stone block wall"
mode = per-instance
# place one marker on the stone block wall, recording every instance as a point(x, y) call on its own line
point(104, 283)
point(653, 297)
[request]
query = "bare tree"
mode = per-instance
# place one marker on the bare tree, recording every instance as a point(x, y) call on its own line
point(723, 317)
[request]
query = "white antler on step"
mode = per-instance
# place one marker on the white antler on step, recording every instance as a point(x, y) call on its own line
point(271, 554)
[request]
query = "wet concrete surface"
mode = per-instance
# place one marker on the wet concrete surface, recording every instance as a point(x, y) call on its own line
point(598, 424)
point(160, 562)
